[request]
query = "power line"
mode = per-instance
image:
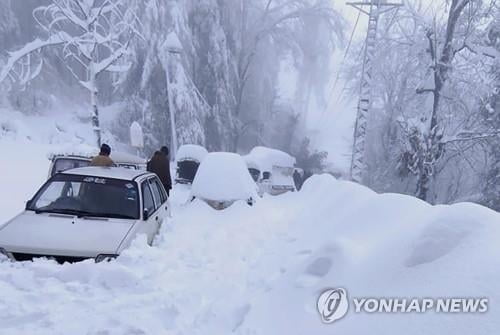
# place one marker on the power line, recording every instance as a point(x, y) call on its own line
point(345, 55)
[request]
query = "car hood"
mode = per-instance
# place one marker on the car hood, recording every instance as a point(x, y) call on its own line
point(53, 234)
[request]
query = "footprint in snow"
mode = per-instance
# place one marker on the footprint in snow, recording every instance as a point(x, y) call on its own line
point(315, 271)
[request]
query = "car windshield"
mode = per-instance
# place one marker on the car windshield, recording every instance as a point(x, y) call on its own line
point(88, 196)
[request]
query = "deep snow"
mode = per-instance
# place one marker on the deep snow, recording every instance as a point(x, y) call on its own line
point(258, 270)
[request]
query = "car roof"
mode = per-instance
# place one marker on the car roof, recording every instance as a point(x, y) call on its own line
point(108, 172)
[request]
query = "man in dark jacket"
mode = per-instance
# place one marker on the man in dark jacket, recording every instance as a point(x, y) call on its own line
point(160, 165)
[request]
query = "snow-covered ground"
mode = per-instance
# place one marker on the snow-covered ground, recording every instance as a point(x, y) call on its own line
point(258, 270)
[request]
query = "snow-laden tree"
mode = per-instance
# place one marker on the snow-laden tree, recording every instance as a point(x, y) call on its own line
point(92, 37)
point(226, 76)
point(161, 72)
point(450, 47)
point(491, 119)
point(213, 26)
point(8, 32)
point(441, 160)
point(9, 26)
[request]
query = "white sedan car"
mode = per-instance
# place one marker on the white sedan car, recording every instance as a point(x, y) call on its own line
point(89, 212)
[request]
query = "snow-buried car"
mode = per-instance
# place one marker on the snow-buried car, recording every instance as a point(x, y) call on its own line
point(271, 169)
point(223, 179)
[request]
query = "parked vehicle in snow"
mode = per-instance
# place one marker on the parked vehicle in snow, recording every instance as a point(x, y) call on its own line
point(89, 212)
point(64, 161)
point(223, 179)
point(189, 158)
point(271, 169)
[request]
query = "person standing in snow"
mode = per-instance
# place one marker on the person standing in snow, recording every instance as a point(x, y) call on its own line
point(297, 179)
point(160, 165)
point(103, 158)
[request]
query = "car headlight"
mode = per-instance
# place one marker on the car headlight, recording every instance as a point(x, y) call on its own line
point(105, 257)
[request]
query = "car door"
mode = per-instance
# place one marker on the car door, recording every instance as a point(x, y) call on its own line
point(160, 198)
point(148, 205)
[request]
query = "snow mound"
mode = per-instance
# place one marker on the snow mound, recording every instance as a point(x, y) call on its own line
point(223, 176)
point(265, 158)
point(191, 151)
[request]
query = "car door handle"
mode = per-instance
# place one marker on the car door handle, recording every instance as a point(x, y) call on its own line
point(156, 218)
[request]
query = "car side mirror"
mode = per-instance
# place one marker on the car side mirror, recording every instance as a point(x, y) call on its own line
point(145, 214)
point(28, 204)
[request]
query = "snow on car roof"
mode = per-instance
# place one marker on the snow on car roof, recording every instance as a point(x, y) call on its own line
point(265, 158)
point(223, 176)
point(107, 172)
point(191, 151)
point(251, 164)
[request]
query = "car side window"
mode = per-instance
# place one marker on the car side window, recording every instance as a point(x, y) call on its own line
point(147, 198)
point(163, 193)
point(156, 193)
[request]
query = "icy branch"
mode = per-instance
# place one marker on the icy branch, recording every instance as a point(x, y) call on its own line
point(30, 48)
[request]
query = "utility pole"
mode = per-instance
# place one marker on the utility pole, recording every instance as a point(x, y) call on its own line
point(173, 47)
point(374, 9)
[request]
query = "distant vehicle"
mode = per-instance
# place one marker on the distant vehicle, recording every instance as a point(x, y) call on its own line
point(64, 161)
point(83, 213)
point(188, 157)
point(223, 179)
point(271, 169)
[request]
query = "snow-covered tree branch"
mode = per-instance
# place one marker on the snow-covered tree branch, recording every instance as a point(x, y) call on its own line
point(91, 35)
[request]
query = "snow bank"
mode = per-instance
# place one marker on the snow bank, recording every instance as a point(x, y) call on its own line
point(223, 176)
point(266, 158)
point(191, 151)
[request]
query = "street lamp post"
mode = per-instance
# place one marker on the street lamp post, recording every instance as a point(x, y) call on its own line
point(172, 46)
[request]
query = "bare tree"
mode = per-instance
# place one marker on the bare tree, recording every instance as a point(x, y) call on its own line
point(92, 37)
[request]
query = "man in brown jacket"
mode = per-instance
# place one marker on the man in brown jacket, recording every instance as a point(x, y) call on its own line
point(160, 165)
point(103, 158)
